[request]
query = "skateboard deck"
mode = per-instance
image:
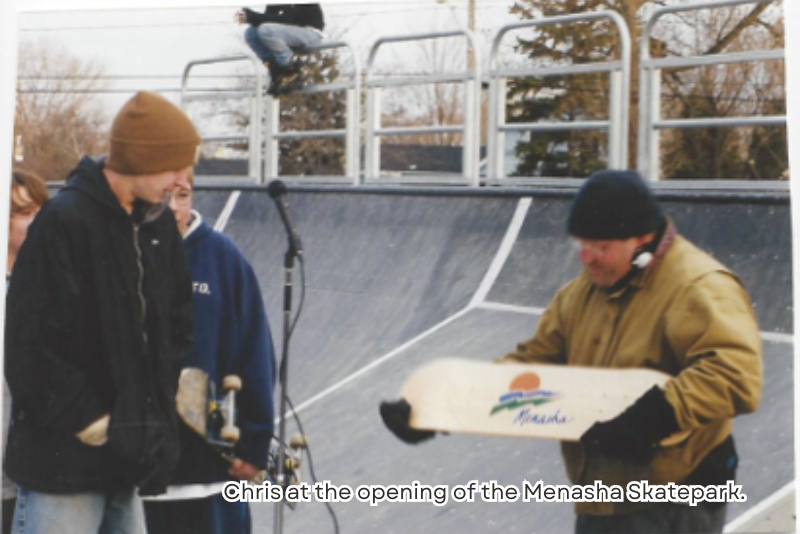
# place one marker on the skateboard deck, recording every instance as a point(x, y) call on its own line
point(208, 413)
point(213, 417)
point(523, 400)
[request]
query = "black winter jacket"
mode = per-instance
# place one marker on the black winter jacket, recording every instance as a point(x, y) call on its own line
point(289, 14)
point(98, 321)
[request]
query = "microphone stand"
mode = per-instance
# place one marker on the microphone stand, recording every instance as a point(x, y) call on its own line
point(283, 379)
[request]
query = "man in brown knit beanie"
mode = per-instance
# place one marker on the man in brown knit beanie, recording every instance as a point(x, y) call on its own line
point(99, 319)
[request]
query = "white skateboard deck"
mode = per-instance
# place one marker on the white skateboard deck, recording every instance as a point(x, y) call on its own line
point(521, 400)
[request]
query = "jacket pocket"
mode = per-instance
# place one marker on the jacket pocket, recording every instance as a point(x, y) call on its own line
point(718, 467)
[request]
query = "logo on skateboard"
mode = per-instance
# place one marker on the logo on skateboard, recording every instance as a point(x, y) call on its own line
point(524, 390)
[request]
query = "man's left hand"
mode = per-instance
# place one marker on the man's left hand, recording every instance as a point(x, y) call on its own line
point(634, 435)
point(242, 470)
point(616, 439)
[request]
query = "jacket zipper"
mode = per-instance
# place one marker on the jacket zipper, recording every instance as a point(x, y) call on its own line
point(140, 285)
point(144, 454)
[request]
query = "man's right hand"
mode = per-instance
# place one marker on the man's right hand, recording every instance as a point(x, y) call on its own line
point(396, 415)
point(241, 470)
point(246, 16)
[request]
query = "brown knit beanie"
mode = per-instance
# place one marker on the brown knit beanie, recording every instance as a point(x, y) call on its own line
point(151, 135)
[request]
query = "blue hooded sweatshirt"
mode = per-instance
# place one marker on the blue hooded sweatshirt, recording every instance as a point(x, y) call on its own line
point(232, 336)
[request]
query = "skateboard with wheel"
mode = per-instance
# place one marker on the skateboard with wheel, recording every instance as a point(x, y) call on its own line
point(212, 415)
point(209, 412)
point(523, 400)
point(292, 460)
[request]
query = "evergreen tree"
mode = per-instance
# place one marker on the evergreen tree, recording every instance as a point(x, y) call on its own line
point(731, 90)
point(314, 111)
point(564, 98)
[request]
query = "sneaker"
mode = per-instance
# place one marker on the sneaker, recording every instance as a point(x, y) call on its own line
point(274, 85)
point(289, 79)
point(274, 77)
point(289, 72)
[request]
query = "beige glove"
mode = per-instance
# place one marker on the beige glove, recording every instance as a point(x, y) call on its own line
point(95, 434)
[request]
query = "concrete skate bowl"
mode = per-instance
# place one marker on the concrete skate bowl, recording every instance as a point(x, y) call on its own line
point(399, 276)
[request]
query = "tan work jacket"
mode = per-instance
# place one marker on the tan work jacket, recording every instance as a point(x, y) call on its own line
point(688, 316)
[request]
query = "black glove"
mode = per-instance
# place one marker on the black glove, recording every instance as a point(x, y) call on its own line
point(396, 415)
point(634, 435)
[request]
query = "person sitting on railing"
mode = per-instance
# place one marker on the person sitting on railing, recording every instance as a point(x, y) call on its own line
point(275, 34)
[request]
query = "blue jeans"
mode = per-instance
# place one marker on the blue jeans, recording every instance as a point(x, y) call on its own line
point(275, 42)
point(113, 512)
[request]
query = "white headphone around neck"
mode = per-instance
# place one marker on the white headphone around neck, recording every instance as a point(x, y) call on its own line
point(641, 259)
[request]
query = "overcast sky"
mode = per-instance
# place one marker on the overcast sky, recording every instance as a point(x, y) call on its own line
point(148, 48)
point(157, 42)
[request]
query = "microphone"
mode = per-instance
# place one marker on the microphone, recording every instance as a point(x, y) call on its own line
point(277, 190)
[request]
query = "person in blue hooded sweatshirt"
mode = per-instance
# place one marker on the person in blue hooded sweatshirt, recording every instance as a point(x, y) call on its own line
point(232, 336)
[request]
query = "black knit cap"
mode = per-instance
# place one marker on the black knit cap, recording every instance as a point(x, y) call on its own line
point(614, 205)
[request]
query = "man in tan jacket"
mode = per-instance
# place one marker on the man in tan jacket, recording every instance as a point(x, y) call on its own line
point(647, 298)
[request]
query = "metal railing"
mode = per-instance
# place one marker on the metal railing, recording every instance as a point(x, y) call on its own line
point(650, 121)
point(254, 138)
point(350, 134)
point(616, 124)
point(264, 161)
point(471, 79)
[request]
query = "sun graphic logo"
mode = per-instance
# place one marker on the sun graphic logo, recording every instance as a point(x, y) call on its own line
point(524, 390)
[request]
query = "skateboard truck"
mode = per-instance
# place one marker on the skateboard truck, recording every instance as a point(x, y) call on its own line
point(293, 456)
point(210, 415)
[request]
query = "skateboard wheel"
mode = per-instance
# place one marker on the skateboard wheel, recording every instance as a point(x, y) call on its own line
point(232, 382)
point(298, 441)
point(230, 433)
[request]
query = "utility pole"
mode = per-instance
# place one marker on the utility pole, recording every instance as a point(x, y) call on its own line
point(471, 25)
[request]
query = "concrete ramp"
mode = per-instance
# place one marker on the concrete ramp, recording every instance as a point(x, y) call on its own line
point(751, 236)
point(397, 277)
point(381, 269)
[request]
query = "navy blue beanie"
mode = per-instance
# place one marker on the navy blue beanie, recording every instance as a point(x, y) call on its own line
point(614, 205)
